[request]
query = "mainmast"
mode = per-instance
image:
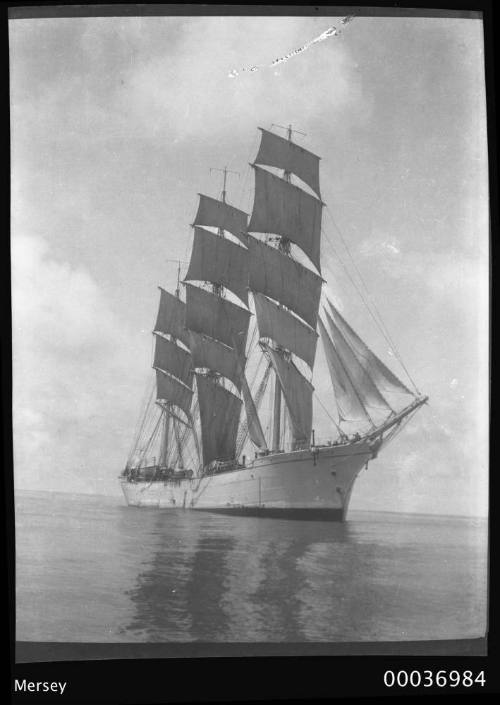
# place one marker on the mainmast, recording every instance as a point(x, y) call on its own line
point(225, 172)
point(218, 327)
point(217, 288)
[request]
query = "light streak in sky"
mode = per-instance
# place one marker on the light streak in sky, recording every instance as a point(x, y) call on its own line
point(330, 32)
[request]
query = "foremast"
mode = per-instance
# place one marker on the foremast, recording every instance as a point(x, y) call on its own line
point(283, 245)
point(286, 293)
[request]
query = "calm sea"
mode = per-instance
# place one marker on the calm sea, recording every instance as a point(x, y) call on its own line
point(91, 569)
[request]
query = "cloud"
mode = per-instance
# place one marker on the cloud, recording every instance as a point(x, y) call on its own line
point(76, 379)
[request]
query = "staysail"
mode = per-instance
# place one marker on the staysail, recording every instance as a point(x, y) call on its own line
point(380, 373)
point(349, 404)
point(361, 380)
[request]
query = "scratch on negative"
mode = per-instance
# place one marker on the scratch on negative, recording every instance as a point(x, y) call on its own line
point(330, 32)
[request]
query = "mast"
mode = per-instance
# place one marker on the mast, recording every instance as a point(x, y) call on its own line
point(225, 172)
point(217, 327)
point(276, 414)
point(286, 293)
point(172, 363)
point(166, 407)
point(283, 246)
point(218, 289)
point(164, 437)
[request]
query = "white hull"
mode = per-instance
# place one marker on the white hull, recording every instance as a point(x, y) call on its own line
point(297, 484)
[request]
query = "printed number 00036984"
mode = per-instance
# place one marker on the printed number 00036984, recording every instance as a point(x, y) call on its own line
point(441, 679)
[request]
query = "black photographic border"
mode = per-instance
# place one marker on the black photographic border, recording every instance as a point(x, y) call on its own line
point(195, 672)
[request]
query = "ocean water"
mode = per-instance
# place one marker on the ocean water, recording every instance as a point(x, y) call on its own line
point(92, 569)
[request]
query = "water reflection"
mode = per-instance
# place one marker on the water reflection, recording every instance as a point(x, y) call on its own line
point(89, 570)
point(180, 583)
point(207, 586)
point(212, 578)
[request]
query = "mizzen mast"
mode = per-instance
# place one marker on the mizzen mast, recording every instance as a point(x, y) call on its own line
point(172, 363)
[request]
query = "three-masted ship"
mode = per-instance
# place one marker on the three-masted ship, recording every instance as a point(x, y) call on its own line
point(210, 439)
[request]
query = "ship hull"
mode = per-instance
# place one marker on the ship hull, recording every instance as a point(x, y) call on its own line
point(297, 485)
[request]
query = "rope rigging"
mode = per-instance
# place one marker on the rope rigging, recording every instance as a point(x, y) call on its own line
point(244, 428)
point(145, 404)
point(341, 433)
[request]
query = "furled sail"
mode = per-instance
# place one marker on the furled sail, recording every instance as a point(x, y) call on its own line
point(209, 353)
point(349, 404)
point(217, 214)
point(170, 358)
point(285, 329)
point(284, 209)
point(171, 315)
point(361, 380)
point(380, 374)
point(170, 390)
point(283, 154)
point(216, 317)
point(220, 261)
point(274, 274)
point(298, 395)
point(219, 416)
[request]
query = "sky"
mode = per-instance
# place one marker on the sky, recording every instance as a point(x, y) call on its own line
point(115, 124)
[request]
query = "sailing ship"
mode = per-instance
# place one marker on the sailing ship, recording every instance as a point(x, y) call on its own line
point(210, 439)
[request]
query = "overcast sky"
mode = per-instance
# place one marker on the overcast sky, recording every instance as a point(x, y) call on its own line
point(115, 124)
